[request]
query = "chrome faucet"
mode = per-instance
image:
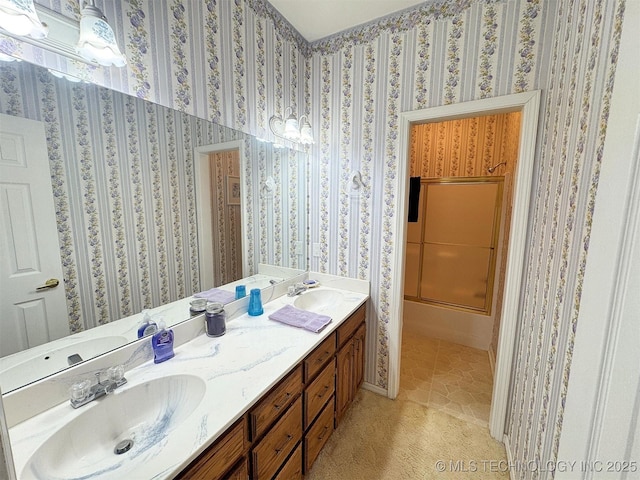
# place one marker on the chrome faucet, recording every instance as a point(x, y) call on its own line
point(84, 392)
point(296, 289)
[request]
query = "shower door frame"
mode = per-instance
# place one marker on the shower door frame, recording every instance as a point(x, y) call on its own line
point(528, 103)
point(495, 246)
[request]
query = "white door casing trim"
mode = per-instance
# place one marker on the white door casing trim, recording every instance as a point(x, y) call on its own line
point(203, 208)
point(528, 104)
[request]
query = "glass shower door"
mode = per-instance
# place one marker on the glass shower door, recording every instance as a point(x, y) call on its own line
point(459, 243)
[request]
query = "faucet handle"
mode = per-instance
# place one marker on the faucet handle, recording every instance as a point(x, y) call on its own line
point(116, 373)
point(80, 391)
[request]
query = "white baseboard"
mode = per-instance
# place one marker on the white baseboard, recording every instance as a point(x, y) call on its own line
point(507, 447)
point(375, 389)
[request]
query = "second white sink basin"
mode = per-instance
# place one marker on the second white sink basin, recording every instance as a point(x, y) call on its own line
point(318, 300)
point(144, 414)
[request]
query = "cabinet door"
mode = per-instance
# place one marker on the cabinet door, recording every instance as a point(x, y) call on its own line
point(358, 361)
point(344, 378)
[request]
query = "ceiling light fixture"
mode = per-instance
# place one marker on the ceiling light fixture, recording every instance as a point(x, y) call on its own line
point(291, 129)
point(97, 42)
point(20, 18)
point(66, 37)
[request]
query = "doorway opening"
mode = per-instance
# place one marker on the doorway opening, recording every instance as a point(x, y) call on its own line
point(219, 205)
point(528, 106)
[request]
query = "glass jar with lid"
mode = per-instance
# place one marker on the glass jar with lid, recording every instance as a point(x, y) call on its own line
point(215, 320)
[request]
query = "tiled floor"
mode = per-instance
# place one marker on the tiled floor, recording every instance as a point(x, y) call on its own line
point(452, 378)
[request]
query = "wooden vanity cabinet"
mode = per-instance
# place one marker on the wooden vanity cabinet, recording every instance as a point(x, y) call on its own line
point(283, 433)
point(317, 435)
point(239, 472)
point(273, 450)
point(292, 469)
point(319, 409)
point(319, 358)
point(349, 361)
point(275, 403)
point(216, 462)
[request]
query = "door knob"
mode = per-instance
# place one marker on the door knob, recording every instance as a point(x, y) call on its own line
point(51, 283)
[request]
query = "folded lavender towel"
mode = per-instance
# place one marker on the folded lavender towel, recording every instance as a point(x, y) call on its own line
point(295, 317)
point(217, 295)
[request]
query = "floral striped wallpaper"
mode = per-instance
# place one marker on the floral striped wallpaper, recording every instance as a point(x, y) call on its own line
point(123, 179)
point(465, 147)
point(450, 51)
point(237, 62)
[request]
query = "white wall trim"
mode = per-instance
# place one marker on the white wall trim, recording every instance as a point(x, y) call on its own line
point(529, 104)
point(202, 170)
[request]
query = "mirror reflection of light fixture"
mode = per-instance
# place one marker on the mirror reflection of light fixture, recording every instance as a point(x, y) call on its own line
point(20, 18)
point(291, 129)
point(97, 42)
point(306, 135)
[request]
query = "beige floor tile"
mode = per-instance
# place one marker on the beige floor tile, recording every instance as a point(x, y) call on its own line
point(455, 379)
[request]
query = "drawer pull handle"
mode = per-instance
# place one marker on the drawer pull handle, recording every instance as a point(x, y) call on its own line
point(286, 397)
point(326, 387)
point(279, 449)
point(324, 432)
point(322, 358)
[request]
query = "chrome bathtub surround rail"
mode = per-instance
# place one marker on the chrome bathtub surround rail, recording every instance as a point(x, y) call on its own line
point(84, 392)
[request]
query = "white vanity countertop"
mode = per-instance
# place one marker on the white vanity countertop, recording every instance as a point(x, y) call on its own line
point(238, 368)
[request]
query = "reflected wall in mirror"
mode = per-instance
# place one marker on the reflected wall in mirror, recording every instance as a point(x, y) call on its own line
point(124, 177)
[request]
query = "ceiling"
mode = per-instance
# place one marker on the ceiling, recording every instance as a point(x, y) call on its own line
point(316, 19)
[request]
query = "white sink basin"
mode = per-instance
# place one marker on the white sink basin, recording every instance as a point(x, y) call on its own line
point(145, 413)
point(318, 300)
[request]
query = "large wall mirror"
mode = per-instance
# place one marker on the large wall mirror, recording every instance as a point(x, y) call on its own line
point(125, 209)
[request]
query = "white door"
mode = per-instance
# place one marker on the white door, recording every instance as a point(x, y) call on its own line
point(29, 244)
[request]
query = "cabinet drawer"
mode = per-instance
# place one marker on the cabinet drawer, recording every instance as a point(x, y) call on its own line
point(316, 359)
point(276, 445)
point(240, 472)
point(275, 403)
point(218, 458)
point(318, 393)
point(317, 436)
point(292, 470)
point(348, 328)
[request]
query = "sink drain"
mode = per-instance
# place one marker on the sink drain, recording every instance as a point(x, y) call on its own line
point(123, 447)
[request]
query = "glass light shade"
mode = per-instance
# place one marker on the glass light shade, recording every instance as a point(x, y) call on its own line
point(97, 42)
point(19, 17)
point(291, 129)
point(306, 135)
